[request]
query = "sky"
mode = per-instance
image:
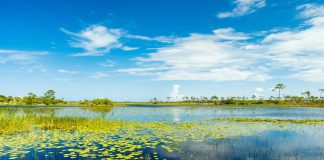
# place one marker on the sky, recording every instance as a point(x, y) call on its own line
point(130, 50)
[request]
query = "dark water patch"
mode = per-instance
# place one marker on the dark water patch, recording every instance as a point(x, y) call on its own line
point(269, 145)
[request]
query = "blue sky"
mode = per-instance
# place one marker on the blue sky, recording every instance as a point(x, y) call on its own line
point(136, 50)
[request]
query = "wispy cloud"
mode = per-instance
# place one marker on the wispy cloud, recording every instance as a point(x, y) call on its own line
point(230, 34)
point(163, 39)
point(61, 79)
point(310, 10)
point(243, 7)
point(302, 49)
point(216, 57)
point(225, 55)
point(95, 40)
point(108, 63)
point(98, 40)
point(98, 75)
point(20, 56)
point(126, 48)
point(67, 71)
point(34, 68)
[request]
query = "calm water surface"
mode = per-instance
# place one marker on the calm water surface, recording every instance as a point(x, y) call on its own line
point(304, 142)
point(194, 113)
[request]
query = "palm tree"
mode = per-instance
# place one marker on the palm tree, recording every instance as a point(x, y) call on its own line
point(307, 95)
point(253, 96)
point(214, 98)
point(321, 91)
point(279, 87)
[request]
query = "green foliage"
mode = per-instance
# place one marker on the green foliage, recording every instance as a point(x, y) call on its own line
point(3, 98)
point(279, 87)
point(306, 99)
point(32, 99)
point(154, 100)
point(230, 101)
point(49, 97)
point(97, 102)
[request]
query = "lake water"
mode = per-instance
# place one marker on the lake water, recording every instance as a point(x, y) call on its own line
point(171, 132)
point(194, 113)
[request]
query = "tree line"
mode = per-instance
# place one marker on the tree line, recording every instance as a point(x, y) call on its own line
point(305, 98)
point(49, 98)
point(97, 102)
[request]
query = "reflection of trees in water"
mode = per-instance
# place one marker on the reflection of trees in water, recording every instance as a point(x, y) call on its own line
point(266, 145)
point(9, 111)
point(40, 111)
point(29, 111)
point(101, 110)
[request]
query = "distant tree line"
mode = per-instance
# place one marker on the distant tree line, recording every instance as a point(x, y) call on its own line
point(306, 98)
point(97, 102)
point(49, 98)
point(32, 99)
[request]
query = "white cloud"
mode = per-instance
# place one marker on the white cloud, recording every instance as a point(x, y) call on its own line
point(216, 57)
point(98, 40)
point(175, 93)
point(313, 75)
point(107, 63)
point(98, 75)
point(229, 34)
point(66, 71)
point(95, 40)
point(310, 10)
point(163, 39)
point(243, 7)
point(259, 90)
point(142, 71)
point(126, 48)
point(34, 68)
point(225, 56)
point(20, 56)
point(61, 79)
point(300, 50)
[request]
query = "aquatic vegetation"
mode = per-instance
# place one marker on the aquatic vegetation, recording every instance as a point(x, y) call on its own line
point(273, 120)
point(50, 136)
point(99, 109)
point(113, 139)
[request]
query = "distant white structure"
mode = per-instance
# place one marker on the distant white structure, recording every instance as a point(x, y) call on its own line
point(175, 94)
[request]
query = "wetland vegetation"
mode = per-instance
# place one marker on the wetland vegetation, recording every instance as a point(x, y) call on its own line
point(306, 99)
point(49, 99)
point(137, 132)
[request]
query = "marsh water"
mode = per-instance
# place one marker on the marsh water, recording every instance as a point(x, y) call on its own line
point(167, 132)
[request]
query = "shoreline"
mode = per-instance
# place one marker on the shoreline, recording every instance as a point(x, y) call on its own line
point(122, 104)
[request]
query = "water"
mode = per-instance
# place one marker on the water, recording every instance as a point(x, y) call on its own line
point(195, 113)
point(234, 140)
